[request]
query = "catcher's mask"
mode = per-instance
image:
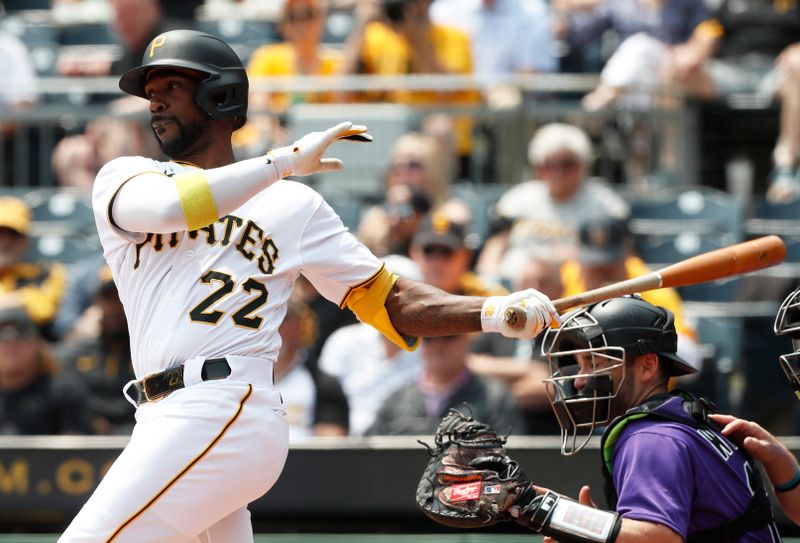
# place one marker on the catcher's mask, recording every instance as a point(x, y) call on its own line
point(593, 343)
point(221, 95)
point(787, 323)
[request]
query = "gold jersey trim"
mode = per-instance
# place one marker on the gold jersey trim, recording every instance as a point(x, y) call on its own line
point(188, 466)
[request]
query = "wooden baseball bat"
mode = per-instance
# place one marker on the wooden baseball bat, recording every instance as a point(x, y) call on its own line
point(728, 261)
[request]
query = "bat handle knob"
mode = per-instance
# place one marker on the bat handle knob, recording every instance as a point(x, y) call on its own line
point(515, 317)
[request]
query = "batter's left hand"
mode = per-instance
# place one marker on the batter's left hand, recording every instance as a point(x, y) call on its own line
point(539, 314)
point(305, 156)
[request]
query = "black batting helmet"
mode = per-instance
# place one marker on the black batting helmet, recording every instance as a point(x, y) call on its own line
point(222, 95)
point(590, 345)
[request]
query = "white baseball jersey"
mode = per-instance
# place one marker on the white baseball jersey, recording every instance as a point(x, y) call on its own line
point(197, 457)
point(222, 290)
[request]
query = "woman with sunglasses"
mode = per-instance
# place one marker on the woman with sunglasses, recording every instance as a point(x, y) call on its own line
point(302, 26)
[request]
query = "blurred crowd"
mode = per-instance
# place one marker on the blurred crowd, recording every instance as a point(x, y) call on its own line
point(559, 228)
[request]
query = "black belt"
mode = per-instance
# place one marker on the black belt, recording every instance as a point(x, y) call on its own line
point(158, 385)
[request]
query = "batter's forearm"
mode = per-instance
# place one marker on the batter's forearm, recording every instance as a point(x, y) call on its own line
point(422, 310)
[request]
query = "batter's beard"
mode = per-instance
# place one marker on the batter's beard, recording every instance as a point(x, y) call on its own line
point(189, 134)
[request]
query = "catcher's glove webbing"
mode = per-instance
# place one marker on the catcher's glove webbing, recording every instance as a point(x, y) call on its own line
point(469, 482)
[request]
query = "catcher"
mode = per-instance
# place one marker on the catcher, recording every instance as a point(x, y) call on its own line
point(670, 475)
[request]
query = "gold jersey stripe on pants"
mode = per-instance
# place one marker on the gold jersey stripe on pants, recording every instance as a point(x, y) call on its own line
point(188, 467)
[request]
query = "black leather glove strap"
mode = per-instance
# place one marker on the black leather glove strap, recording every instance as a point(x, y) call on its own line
point(571, 522)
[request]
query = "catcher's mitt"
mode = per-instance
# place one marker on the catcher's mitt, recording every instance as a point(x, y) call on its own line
point(470, 481)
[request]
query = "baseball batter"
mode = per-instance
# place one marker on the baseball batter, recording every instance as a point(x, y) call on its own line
point(205, 251)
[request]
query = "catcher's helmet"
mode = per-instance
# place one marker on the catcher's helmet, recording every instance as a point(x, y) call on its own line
point(589, 345)
point(787, 323)
point(222, 95)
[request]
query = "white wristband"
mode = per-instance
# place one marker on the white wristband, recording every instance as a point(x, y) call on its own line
point(283, 161)
point(489, 313)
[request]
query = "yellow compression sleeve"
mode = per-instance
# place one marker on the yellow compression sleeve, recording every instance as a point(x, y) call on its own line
point(197, 202)
point(367, 302)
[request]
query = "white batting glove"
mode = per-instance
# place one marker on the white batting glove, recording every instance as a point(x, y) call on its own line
point(539, 313)
point(304, 157)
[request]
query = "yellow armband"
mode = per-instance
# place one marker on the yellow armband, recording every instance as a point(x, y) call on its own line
point(196, 199)
point(367, 302)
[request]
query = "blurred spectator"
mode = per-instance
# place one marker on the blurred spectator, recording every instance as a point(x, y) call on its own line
point(518, 362)
point(507, 36)
point(135, 23)
point(103, 361)
point(76, 159)
point(647, 33)
point(439, 249)
point(397, 37)
point(418, 161)
point(302, 25)
point(19, 75)
point(542, 215)
point(181, 10)
point(389, 228)
point(34, 398)
point(405, 209)
point(605, 256)
point(446, 382)
point(419, 175)
point(315, 403)
point(328, 316)
point(77, 314)
point(751, 47)
point(37, 287)
point(369, 366)
point(17, 94)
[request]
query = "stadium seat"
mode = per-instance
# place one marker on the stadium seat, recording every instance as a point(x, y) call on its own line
point(243, 35)
point(782, 219)
point(697, 210)
point(481, 199)
point(338, 26)
point(66, 249)
point(41, 40)
point(61, 211)
point(348, 208)
point(659, 251)
point(723, 337)
point(87, 34)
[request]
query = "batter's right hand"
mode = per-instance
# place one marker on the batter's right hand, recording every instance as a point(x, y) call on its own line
point(305, 156)
point(539, 314)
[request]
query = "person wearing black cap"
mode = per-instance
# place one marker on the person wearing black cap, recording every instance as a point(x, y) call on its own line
point(35, 399)
point(439, 248)
point(103, 360)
